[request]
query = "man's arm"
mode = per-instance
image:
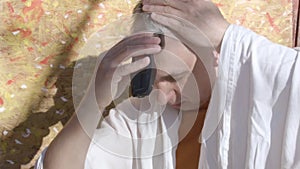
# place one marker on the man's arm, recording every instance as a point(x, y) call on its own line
point(69, 148)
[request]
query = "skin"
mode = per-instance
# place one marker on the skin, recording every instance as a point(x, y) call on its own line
point(175, 64)
point(188, 150)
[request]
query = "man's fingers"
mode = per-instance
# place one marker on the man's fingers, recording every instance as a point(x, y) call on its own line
point(144, 38)
point(162, 9)
point(167, 20)
point(177, 4)
point(140, 38)
point(135, 66)
point(121, 77)
point(137, 50)
point(133, 46)
point(177, 25)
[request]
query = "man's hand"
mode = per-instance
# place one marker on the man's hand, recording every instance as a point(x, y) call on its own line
point(189, 20)
point(112, 77)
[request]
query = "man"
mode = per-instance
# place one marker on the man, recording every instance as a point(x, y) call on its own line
point(139, 132)
point(254, 115)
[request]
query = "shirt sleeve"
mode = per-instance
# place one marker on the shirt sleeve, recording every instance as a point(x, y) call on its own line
point(243, 50)
point(253, 111)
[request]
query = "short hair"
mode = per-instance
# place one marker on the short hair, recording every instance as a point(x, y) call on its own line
point(142, 21)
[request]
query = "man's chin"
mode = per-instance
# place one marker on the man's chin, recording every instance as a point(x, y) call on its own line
point(176, 106)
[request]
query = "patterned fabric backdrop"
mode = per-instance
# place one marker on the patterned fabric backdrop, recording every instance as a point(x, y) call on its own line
point(39, 42)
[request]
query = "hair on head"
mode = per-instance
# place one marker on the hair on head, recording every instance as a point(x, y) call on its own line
point(142, 22)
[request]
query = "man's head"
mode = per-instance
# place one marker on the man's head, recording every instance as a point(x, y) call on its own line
point(175, 65)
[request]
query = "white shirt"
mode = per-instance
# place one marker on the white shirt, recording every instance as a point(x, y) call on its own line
point(252, 121)
point(129, 138)
point(135, 139)
point(254, 116)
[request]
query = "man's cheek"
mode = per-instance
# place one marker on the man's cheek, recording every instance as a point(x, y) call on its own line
point(159, 96)
point(162, 98)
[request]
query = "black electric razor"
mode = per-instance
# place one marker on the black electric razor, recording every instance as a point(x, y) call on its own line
point(142, 82)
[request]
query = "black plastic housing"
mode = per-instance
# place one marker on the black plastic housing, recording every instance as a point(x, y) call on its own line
point(142, 82)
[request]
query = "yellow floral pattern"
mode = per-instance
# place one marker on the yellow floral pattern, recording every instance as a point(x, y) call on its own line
point(39, 39)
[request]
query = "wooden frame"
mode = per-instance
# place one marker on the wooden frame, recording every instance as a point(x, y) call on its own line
point(296, 23)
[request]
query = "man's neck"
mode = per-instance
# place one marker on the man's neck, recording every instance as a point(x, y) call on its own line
point(188, 149)
point(191, 125)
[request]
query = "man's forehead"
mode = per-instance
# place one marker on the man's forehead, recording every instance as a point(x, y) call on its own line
point(174, 54)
